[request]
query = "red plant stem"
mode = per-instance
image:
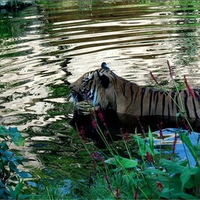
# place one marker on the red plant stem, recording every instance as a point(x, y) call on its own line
point(174, 143)
point(191, 92)
point(170, 69)
point(153, 77)
point(100, 115)
point(142, 128)
point(94, 124)
point(186, 125)
point(117, 193)
point(124, 135)
point(96, 156)
point(135, 193)
point(108, 182)
point(159, 186)
point(148, 156)
point(81, 134)
point(93, 160)
point(160, 130)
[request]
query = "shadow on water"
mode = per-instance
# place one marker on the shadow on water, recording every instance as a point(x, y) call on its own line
point(45, 46)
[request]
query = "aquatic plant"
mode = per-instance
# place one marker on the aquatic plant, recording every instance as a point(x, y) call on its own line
point(12, 178)
point(143, 172)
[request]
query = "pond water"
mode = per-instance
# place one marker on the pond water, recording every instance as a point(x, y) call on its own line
point(54, 42)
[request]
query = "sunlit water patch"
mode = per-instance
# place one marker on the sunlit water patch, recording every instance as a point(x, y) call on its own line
point(172, 145)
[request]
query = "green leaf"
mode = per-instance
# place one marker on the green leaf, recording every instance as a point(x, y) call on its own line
point(130, 178)
point(1, 184)
point(187, 142)
point(151, 141)
point(18, 188)
point(13, 167)
point(171, 166)
point(2, 193)
point(143, 147)
point(111, 161)
point(8, 154)
point(151, 171)
point(24, 174)
point(3, 131)
point(185, 196)
point(3, 146)
point(16, 137)
point(121, 162)
point(166, 193)
point(32, 184)
point(187, 173)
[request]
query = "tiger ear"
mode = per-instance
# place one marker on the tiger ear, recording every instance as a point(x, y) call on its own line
point(104, 66)
point(103, 79)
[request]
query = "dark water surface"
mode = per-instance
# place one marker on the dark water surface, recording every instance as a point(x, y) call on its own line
point(40, 43)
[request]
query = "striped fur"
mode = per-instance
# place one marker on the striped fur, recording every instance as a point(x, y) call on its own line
point(104, 88)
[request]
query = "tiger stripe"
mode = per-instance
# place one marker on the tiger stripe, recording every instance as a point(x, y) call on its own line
point(105, 89)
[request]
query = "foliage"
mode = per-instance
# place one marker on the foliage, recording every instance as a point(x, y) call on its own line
point(145, 176)
point(11, 181)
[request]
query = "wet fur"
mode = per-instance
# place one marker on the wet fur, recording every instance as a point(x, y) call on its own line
point(104, 88)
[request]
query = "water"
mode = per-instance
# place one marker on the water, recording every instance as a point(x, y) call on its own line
point(39, 44)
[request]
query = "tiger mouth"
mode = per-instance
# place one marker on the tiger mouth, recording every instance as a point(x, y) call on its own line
point(75, 97)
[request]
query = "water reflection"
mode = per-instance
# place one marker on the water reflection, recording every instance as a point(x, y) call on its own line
point(167, 144)
point(40, 44)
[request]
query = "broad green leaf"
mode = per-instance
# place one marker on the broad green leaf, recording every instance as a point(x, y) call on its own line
point(8, 154)
point(143, 147)
point(13, 167)
point(185, 196)
point(111, 161)
point(18, 188)
point(3, 131)
point(171, 166)
point(187, 142)
point(151, 141)
point(24, 174)
point(1, 184)
point(125, 162)
point(121, 162)
point(150, 171)
point(187, 173)
point(2, 193)
point(32, 184)
point(16, 137)
point(167, 193)
point(3, 146)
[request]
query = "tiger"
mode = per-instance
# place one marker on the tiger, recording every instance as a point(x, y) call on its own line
point(130, 101)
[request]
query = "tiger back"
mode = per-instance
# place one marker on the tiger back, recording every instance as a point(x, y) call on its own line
point(104, 89)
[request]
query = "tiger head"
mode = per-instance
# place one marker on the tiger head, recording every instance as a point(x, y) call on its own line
point(95, 87)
